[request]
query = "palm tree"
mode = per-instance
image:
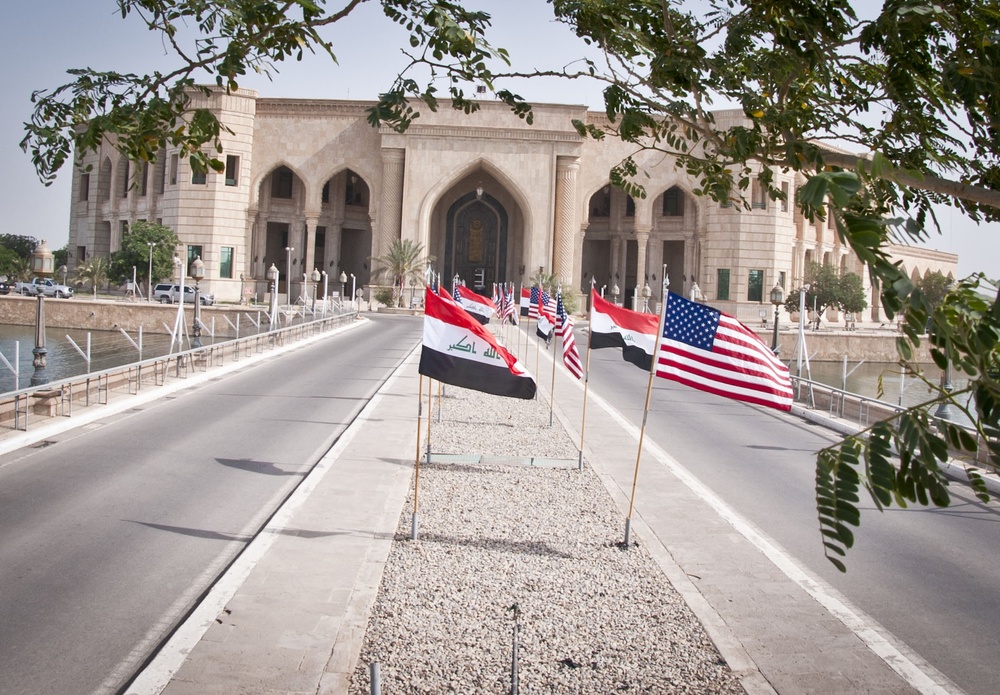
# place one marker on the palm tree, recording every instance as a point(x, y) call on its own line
point(94, 273)
point(404, 261)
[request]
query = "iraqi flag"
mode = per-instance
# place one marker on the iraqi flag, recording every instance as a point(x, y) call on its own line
point(525, 302)
point(633, 331)
point(458, 351)
point(546, 316)
point(481, 308)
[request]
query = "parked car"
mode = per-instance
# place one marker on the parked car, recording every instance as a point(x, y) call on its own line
point(4, 285)
point(161, 293)
point(43, 286)
point(170, 295)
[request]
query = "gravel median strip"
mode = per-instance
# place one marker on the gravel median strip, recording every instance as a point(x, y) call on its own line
point(499, 537)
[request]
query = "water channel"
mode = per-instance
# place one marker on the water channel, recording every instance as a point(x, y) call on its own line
point(107, 349)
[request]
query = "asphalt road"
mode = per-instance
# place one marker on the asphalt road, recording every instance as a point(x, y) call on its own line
point(110, 535)
point(929, 576)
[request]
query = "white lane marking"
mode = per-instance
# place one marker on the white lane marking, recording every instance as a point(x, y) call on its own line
point(157, 675)
point(864, 627)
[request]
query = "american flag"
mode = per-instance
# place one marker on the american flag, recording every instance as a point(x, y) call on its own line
point(564, 327)
point(510, 309)
point(533, 306)
point(711, 351)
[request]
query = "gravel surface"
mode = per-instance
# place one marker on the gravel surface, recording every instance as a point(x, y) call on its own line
point(514, 536)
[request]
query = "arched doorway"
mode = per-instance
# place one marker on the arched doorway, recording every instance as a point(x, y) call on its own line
point(476, 241)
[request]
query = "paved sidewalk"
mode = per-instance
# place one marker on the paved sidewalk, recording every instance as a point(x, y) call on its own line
point(290, 616)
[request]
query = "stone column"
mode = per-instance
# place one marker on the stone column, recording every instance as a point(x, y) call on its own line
point(309, 244)
point(616, 264)
point(565, 202)
point(642, 241)
point(390, 211)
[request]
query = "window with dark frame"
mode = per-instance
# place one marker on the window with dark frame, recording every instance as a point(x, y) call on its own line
point(174, 161)
point(84, 187)
point(281, 183)
point(722, 277)
point(755, 286)
point(673, 202)
point(198, 178)
point(226, 262)
point(232, 170)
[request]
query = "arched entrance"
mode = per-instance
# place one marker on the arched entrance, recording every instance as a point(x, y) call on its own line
point(476, 241)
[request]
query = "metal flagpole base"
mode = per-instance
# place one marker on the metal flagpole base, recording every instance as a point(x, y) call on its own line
point(413, 527)
point(628, 532)
point(376, 678)
point(579, 465)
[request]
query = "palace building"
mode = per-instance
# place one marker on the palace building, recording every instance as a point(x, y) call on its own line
point(492, 198)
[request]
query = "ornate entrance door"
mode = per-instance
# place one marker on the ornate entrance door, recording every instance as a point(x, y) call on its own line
point(476, 245)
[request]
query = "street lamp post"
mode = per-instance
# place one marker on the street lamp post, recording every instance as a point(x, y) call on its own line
point(272, 276)
point(288, 277)
point(354, 284)
point(315, 278)
point(614, 293)
point(777, 299)
point(646, 292)
point(326, 278)
point(343, 286)
point(150, 244)
point(197, 272)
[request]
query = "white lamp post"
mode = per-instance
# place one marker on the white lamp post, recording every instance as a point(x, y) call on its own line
point(288, 277)
point(150, 244)
point(272, 276)
point(354, 283)
point(343, 286)
point(197, 272)
point(315, 278)
point(325, 293)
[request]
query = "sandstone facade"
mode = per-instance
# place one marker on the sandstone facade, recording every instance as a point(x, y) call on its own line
point(309, 185)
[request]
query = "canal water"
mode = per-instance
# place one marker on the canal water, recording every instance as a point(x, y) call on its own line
point(108, 349)
point(906, 390)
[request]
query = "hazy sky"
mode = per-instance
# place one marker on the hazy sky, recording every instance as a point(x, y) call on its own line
point(39, 41)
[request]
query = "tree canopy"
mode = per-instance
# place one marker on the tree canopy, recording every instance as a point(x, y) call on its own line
point(826, 287)
point(136, 252)
point(885, 112)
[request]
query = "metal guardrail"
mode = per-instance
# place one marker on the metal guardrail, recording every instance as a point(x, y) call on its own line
point(863, 411)
point(57, 398)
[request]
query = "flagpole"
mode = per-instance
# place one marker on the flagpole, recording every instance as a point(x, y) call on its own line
point(586, 377)
point(645, 411)
point(552, 388)
point(440, 395)
point(416, 462)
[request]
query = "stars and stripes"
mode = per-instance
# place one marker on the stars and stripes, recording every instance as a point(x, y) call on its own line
point(711, 351)
point(564, 327)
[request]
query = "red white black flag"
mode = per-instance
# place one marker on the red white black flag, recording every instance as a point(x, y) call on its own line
point(634, 332)
point(459, 351)
point(481, 308)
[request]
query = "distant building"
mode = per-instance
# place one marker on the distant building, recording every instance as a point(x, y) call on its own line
point(492, 198)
